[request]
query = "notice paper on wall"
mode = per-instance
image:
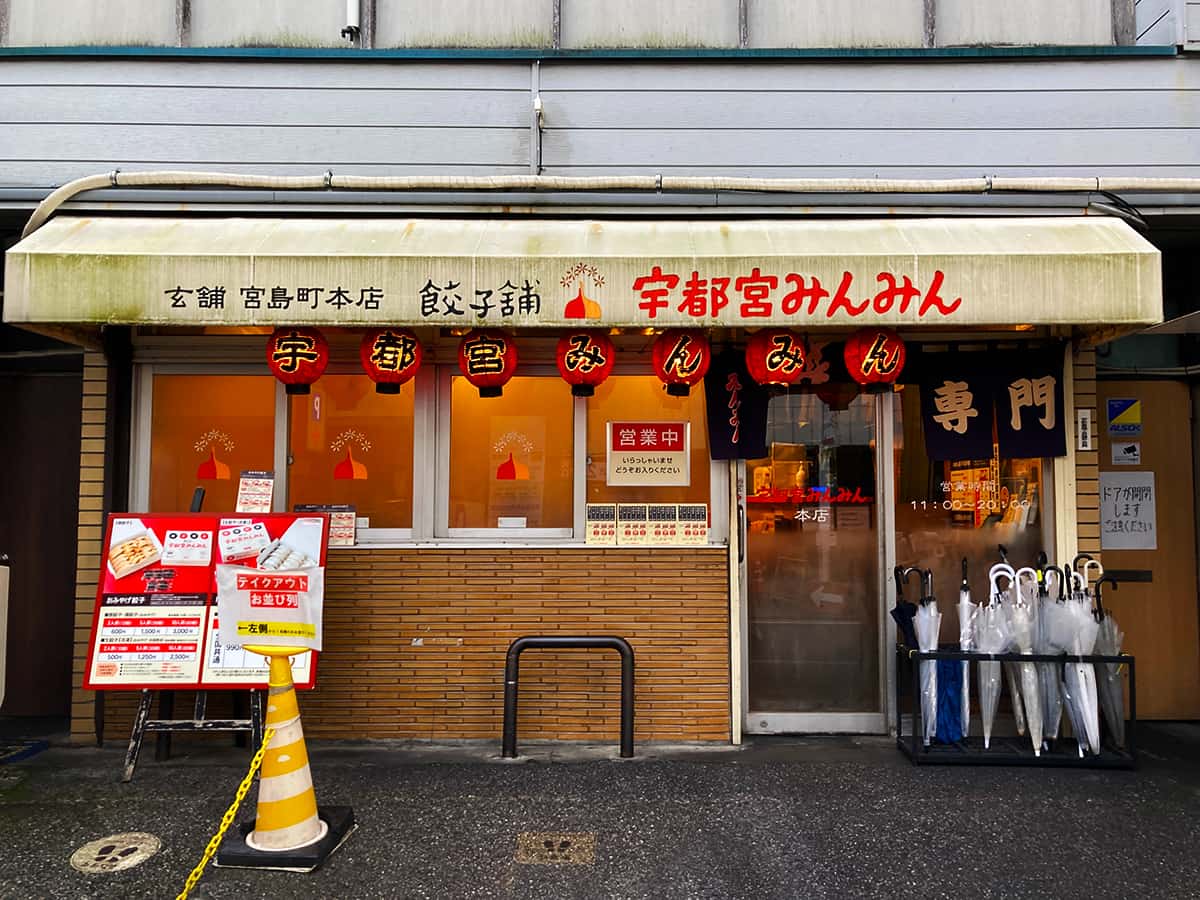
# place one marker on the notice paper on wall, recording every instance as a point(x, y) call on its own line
point(255, 491)
point(601, 524)
point(1128, 517)
point(342, 521)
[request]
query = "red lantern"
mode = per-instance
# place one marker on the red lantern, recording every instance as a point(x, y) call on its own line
point(390, 357)
point(585, 359)
point(297, 357)
point(875, 358)
point(681, 357)
point(775, 356)
point(488, 359)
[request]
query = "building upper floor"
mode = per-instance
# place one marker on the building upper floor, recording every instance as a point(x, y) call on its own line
point(581, 25)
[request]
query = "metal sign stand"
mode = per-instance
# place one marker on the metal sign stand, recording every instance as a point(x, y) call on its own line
point(165, 727)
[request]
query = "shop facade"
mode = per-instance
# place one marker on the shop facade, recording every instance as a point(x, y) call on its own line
point(482, 519)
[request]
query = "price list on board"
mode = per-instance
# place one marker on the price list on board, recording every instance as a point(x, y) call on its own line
point(153, 637)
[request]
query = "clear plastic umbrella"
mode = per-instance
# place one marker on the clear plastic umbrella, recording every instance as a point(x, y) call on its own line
point(1023, 618)
point(992, 635)
point(1080, 678)
point(928, 622)
point(967, 611)
point(1049, 611)
point(1108, 675)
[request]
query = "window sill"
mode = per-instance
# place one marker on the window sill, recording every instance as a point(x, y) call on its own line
point(531, 544)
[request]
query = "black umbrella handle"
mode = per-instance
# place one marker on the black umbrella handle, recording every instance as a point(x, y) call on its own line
point(965, 585)
point(1099, 594)
point(1087, 557)
point(898, 574)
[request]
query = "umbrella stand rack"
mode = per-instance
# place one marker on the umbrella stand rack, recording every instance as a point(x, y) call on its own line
point(1014, 751)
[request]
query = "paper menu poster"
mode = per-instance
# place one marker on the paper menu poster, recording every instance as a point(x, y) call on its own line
point(256, 490)
point(235, 664)
point(632, 523)
point(601, 524)
point(343, 520)
point(148, 639)
point(663, 523)
point(693, 523)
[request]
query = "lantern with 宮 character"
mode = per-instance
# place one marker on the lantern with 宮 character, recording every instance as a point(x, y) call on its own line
point(488, 359)
point(390, 357)
point(875, 358)
point(297, 357)
point(681, 357)
point(585, 359)
point(775, 356)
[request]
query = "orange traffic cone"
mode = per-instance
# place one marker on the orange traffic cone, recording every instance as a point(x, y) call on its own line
point(289, 832)
point(287, 805)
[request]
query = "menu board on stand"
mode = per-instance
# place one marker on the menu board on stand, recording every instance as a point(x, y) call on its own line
point(155, 621)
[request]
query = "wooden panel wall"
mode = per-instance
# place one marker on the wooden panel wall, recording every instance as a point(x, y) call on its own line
point(1087, 471)
point(416, 641)
point(90, 534)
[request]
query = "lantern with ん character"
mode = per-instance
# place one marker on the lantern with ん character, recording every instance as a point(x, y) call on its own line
point(875, 358)
point(681, 357)
point(488, 359)
point(775, 356)
point(390, 357)
point(297, 357)
point(585, 359)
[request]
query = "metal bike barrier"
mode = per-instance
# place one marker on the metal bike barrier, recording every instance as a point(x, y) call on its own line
point(561, 642)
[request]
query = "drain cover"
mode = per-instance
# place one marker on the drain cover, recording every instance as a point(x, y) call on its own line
point(115, 852)
point(556, 848)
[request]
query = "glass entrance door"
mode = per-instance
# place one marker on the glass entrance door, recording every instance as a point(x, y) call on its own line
point(812, 568)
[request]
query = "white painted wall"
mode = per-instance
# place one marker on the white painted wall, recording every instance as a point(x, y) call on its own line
point(1157, 22)
point(1000, 22)
point(649, 23)
point(48, 23)
point(268, 23)
point(464, 23)
point(835, 23)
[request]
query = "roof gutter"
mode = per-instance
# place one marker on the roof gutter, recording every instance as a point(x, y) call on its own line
point(328, 181)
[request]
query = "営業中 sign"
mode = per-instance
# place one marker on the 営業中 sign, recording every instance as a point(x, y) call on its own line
point(648, 454)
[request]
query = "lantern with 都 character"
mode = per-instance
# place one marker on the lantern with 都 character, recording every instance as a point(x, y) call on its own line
point(297, 357)
point(775, 356)
point(488, 359)
point(875, 358)
point(681, 357)
point(390, 357)
point(585, 359)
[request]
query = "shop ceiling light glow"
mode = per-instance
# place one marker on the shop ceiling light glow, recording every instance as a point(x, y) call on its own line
point(488, 359)
point(297, 357)
point(390, 357)
point(775, 356)
point(681, 357)
point(585, 359)
point(875, 358)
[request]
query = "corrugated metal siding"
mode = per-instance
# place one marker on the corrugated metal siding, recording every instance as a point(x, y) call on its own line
point(1025, 22)
point(835, 23)
point(267, 23)
point(944, 119)
point(57, 23)
point(464, 23)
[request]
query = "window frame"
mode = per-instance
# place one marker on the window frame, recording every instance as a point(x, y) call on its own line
point(430, 459)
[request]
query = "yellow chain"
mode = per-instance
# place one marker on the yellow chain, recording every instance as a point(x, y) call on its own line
point(227, 819)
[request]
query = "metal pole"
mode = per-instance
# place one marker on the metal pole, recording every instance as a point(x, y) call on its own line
point(511, 674)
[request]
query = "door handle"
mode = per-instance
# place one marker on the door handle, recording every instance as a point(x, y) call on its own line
point(741, 526)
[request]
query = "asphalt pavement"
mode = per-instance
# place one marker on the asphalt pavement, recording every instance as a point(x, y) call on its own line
point(782, 818)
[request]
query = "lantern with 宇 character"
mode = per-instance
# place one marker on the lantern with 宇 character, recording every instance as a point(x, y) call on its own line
point(488, 359)
point(875, 358)
point(390, 357)
point(585, 359)
point(775, 356)
point(297, 357)
point(681, 357)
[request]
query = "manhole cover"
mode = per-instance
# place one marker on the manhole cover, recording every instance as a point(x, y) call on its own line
point(556, 848)
point(115, 852)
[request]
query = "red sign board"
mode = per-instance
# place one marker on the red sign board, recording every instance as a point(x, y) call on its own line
point(155, 621)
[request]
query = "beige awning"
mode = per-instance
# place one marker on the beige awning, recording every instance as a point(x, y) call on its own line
point(1092, 272)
